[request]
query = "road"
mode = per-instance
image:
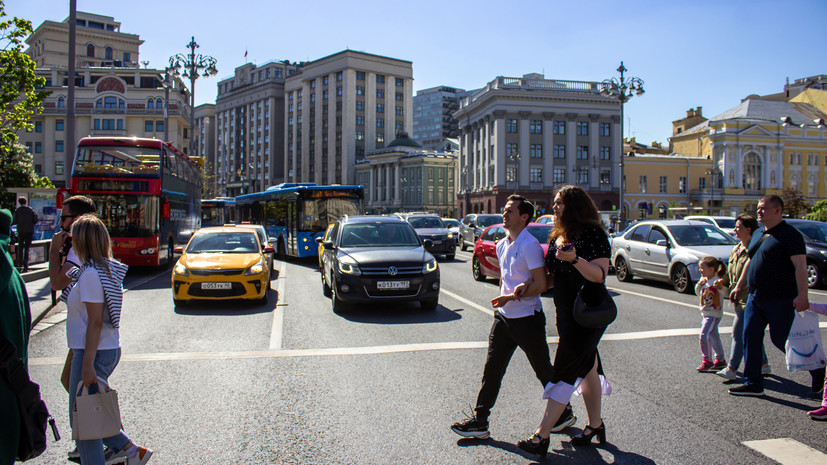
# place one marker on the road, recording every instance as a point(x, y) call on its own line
point(291, 382)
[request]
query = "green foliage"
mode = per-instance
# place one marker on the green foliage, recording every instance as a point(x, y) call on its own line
point(17, 170)
point(819, 211)
point(794, 203)
point(209, 190)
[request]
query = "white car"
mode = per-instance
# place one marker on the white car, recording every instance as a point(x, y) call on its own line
point(669, 251)
point(452, 225)
point(727, 223)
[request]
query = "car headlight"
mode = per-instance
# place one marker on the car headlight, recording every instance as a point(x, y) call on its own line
point(429, 267)
point(823, 252)
point(450, 236)
point(149, 251)
point(258, 268)
point(181, 269)
point(349, 266)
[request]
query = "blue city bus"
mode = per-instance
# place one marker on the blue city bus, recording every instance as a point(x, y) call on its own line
point(296, 213)
point(217, 211)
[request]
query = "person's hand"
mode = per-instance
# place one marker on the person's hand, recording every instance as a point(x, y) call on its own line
point(522, 287)
point(566, 255)
point(801, 303)
point(501, 300)
point(703, 280)
point(57, 241)
point(88, 376)
point(733, 296)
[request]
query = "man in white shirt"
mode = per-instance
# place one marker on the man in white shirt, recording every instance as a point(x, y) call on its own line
point(519, 320)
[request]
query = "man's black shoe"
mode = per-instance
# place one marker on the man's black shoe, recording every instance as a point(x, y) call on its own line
point(472, 428)
point(566, 419)
point(747, 390)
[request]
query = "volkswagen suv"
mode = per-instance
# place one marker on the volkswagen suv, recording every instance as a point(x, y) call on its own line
point(378, 259)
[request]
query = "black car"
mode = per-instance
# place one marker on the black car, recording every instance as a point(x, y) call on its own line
point(378, 259)
point(472, 227)
point(429, 226)
point(815, 240)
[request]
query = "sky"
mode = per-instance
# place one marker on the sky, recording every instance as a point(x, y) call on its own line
point(689, 53)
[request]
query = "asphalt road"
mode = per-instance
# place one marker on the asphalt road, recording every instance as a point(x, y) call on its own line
point(292, 382)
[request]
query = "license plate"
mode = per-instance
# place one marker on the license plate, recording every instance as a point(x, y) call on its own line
point(216, 285)
point(437, 242)
point(385, 285)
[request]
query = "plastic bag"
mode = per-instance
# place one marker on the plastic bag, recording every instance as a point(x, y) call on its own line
point(804, 347)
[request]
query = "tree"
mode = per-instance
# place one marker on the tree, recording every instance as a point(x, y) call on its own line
point(208, 188)
point(19, 100)
point(794, 203)
point(819, 211)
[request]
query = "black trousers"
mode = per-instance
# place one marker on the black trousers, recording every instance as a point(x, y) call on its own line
point(24, 242)
point(527, 333)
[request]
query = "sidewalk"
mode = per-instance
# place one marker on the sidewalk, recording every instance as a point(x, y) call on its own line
point(39, 290)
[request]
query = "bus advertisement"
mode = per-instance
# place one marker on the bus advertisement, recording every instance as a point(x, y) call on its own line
point(218, 211)
point(146, 191)
point(296, 213)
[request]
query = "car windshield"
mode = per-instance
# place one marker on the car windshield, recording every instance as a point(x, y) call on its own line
point(451, 223)
point(540, 232)
point(223, 242)
point(486, 221)
point(699, 235)
point(426, 223)
point(378, 235)
point(260, 232)
point(728, 223)
point(814, 231)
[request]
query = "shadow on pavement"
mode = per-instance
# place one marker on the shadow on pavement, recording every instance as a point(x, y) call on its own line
point(399, 313)
point(566, 454)
point(227, 307)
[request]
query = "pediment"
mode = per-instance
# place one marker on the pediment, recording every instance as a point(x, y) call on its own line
point(755, 130)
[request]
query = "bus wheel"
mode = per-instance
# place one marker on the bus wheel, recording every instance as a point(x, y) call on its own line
point(170, 253)
point(282, 251)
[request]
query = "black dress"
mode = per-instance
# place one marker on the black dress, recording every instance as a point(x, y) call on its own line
point(578, 345)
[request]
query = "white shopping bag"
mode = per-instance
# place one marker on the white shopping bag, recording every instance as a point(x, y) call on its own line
point(804, 347)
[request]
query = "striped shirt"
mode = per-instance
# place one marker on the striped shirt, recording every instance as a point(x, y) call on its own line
point(112, 283)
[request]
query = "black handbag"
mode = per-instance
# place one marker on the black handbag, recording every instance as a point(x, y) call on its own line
point(593, 306)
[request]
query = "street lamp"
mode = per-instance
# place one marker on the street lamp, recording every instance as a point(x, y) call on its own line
point(404, 181)
point(515, 157)
point(712, 173)
point(193, 65)
point(621, 89)
point(465, 183)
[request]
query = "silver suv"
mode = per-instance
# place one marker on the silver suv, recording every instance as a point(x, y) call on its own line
point(472, 227)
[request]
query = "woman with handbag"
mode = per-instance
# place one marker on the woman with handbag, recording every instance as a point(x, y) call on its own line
point(94, 305)
point(577, 258)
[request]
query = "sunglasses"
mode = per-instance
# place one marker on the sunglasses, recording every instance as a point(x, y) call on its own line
point(63, 217)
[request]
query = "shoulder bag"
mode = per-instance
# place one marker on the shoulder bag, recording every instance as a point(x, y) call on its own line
point(593, 306)
point(96, 415)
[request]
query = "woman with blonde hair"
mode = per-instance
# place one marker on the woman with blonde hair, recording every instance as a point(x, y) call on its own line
point(92, 323)
point(577, 258)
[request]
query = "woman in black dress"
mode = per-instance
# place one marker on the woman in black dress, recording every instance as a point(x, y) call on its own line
point(578, 257)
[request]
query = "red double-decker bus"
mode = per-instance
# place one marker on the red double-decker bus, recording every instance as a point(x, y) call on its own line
point(146, 191)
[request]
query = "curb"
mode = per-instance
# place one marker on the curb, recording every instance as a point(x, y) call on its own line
point(35, 275)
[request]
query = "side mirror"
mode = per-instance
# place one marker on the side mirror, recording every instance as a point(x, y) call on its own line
point(472, 225)
point(269, 249)
point(428, 242)
point(271, 240)
point(328, 244)
point(178, 250)
point(320, 239)
point(662, 243)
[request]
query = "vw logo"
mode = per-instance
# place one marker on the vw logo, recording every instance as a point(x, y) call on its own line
point(392, 270)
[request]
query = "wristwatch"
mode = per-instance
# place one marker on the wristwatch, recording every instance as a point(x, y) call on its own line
point(576, 259)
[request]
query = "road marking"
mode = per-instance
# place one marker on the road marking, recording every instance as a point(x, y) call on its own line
point(813, 291)
point(660, 299)
point(278, 312)
point(788, 451)
point(468, 302)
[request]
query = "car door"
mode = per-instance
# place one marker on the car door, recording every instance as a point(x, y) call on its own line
point(465, 225)
point(488, 250)
point(656, 253)
point(634, 248)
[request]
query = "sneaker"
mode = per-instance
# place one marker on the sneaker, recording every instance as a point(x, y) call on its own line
point(140, 458)
point(109, 454)
point(566, 419)
point(747, 390)
point(766, 369)
point(719, 364)
point(727, 373)
point(73, 455)
point(819, 414)
point(472, 427)
point(706, 367)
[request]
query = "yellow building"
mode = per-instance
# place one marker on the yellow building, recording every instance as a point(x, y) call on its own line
point(665, 186)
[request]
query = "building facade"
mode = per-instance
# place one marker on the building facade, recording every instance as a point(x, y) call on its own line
point(338, 109)
point(531, 134)
point(433, 117)
point(249, 135)
point(112, 97)
point(407, 177)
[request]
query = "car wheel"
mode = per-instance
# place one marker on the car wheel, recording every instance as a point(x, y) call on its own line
point(622, 270)
point(462, 245)
point(269, 285)
point(430, 305)
point(813, 274)
point(476, 269)
point(326, 291)
point(450, 256)
point(179, 302)
point(681, 280)
point(263, 299)
point(339, 306)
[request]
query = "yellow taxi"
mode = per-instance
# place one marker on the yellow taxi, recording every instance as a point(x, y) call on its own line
point(321, 241)
point(222, 263)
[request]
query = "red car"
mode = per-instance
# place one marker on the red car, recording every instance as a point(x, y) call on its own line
point(485, 263)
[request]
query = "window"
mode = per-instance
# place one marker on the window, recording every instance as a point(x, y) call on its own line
point(682, 185)
point(360, 121)
point(643, 184)
point(511, 174)
point(605, 130)
point(61, 102)
point(536, 175)
point(662, 185)
point(380, 123)
point(312, 98)
point(38, 126)
point(380, 137)
point(380, 78)
point(58, 167)
point(360, 75)
point(559, 175)
point(90, 50)
point(159, 126)
point(583, 176)
point(150, 104)
point(360, 90)
point(582, 128)
point(299, 106)
point(339, 90)
point(325, 94)
point(511, 150)
point(127, 57)
point(59, 125)
point(360, 135)
point(536, 151)
point(511, 126)
point(380, 108)
point(58, 146)
point(605, 153)
point(398, 110)
point(559, 127)
point(339, 76)
point(399, 97)
point(380, 93)
point(559, 152)
point(606, 177)
point(582, 152)
point(38, 147)
point(148, 126)
point(312, 83)
point(397, 125)
point(108, 53)
point(535, 126)
point(360, 106)
point(29, 147)
point(702, 183)
point(400, 82)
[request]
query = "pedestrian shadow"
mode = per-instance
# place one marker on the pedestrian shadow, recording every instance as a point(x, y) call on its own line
point(566, 453)
point(774, 383)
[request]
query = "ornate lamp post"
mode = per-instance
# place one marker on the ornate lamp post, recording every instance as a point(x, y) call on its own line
point(465, 184)
point(515, 157)
point(621, 89)
point(193, 66)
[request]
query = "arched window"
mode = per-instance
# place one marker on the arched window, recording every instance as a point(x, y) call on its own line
point(752, 172)
point(159, 103)
point(90, 50)
point(110, 103)
point(108, 53)
point(150, 104)
point(61, 102)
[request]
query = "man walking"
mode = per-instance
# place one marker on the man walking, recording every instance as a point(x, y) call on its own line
point(25, 218)
point(777, 283)
point(519, 320)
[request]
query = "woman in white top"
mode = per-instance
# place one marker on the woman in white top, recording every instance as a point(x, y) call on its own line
point(92, 329)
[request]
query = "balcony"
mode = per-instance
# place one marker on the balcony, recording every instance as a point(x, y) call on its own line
point(707, 195)
point(108, 132)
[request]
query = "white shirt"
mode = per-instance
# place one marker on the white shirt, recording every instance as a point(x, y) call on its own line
point(88, 289)
point(517, 259)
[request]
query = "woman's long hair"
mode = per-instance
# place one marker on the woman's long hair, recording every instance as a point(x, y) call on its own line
point(91, 241)
point(579, 212)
